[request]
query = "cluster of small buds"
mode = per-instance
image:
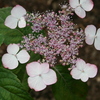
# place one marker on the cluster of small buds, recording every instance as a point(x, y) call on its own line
point(36, 20)
point(26, 42)
point(66, 8)
point(61, 41)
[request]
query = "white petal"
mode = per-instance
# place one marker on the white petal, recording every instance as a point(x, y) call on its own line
point(90, 31)
point(22, 22)
point(87, 5)
point(36, 83)
point(91, 70)
point(50, 77)
point(84, 77)
point(23, 56)
point(44, 67)
point(11, 22)
point(18, 11)
point(12, 48)
point(9, 61)
point(97, 40)
point(80, 12)
point(76, 73)
point(74, 3)
point(80, 64)
point(33, 69)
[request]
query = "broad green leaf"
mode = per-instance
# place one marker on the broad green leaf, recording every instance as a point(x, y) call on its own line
point(67, 88)
point(20, 71)
point(10, 87)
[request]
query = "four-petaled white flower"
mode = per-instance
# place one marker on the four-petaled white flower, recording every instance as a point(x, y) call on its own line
point(10, 59)
point(40, 75)
point(92, 36)
point(80, 6)
point(83, 71)
point(16, 17)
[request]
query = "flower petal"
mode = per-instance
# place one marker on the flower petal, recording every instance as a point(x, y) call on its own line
point(22, 22)
point(50, 77)
point(12, 49)
point(33, 69)
point(9, 61)
point(36, 83)
point(18, 11)
point(74, 3)
point(80, 64)
point(76, 74)
point(80, 12)
point(90, 31)
point(97, 40)
point(11, 22)
point(23, 56)
point(87, 5)
point(84, 77)
point(44, 67)
point(91, 70)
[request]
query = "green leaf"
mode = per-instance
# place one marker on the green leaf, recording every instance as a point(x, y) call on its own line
point(20, 71)
point(10, 87)
point(34, 57)
point(67, 88)
point(1, 39)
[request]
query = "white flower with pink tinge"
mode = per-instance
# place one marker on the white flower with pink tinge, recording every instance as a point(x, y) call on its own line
point(83, 70)
point(80, 6)
point(40, 75)
point(10, 59)
point(16, 17)
point(92, 36)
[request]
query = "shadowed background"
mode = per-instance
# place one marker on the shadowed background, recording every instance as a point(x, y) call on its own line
point(88, 53)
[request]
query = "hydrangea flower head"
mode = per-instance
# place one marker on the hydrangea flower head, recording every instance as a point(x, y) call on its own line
point(40, 75)
point(92, 36)
point(16, 17)
point(10, 59)
point(62, 39)
point(83, 70)
point(81, 6)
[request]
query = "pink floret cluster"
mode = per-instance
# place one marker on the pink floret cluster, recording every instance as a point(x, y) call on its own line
point(60, 39)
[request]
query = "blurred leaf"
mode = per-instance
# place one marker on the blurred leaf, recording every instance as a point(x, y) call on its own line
point(67, 88)
point(20, 71)
point(1, 39)
point(34, 57)
point(10, 87)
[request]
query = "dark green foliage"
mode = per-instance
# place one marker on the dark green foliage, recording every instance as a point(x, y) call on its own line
point(10, 87)
point(67, 88)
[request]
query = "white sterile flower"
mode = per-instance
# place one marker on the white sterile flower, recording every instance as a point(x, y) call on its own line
point(40, 75)
point(83, 71)
point(80, 6)
point(16, 17)
point(92, 36)
point(10, 59)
